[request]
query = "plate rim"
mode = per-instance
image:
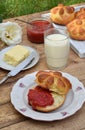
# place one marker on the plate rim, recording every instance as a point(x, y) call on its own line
point(44, 117)
point(10, 67)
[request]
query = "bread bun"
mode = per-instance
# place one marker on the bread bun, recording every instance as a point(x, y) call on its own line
point(62, 14)
point(76, 29)
point(58, 100)
point(53, 81)
point(81, 13)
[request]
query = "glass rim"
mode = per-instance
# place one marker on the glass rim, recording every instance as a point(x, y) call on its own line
point(57, 29)
point(39, 19)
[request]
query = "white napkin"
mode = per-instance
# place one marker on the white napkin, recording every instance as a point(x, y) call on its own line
point(78, 47)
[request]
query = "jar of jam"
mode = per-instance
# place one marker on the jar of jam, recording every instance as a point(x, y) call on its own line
point(36, 28)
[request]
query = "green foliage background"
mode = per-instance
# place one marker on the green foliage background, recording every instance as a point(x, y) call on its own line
point(12, 8)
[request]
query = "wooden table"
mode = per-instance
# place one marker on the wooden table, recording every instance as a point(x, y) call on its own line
point(10, 119)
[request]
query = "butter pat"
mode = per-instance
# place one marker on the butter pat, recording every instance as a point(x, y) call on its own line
point(16, 55)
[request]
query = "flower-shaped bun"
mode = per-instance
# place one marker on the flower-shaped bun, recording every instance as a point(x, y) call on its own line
point(76, 29)
point(81, 13)
point(62, 14)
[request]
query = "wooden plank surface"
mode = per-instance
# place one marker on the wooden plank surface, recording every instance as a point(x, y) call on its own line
point(10, 119)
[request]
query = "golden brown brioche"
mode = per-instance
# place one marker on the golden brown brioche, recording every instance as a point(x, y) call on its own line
point(53, 81)
point(62, 14)
point(58, 100)
point(76, 29)
point(81, 13)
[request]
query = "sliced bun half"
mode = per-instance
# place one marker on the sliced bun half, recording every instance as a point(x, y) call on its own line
point(58, 101)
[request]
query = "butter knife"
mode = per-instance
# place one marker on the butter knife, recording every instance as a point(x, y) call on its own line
point(19, 67)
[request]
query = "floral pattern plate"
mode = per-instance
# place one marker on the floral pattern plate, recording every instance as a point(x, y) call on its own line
point(74, 100)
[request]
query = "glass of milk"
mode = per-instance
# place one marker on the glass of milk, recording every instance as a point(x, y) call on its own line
point(57, 46)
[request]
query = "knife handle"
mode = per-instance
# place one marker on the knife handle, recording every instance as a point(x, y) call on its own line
point(5, 78)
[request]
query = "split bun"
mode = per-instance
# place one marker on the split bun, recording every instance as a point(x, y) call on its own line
point(58, 101)
point(51, 82)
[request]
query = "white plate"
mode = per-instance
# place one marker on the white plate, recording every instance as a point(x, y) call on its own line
point(74, 100)
point(6, 66)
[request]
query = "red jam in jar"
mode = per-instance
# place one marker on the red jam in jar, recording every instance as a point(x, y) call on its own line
point(36, 28)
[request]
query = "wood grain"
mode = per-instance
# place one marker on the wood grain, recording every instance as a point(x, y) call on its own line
point(10, 119)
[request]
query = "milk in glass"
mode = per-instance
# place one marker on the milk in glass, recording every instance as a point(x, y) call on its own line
point(56, 50)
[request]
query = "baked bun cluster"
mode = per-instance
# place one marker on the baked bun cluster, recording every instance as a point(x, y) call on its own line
point(62, 14)
point(51, 91)
point(76, 28)
point(73, 20)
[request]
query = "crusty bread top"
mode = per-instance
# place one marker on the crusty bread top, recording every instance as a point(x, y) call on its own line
point(81, 13)
point(76, 29)
point(62, 14)
point(54, 81)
